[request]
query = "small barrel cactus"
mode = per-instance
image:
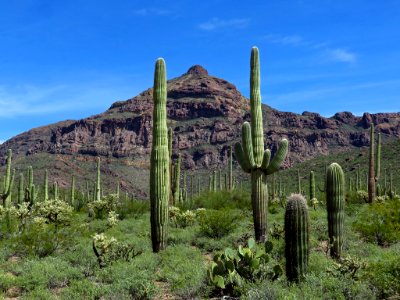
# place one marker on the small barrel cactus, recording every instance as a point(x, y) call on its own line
point(297, 237)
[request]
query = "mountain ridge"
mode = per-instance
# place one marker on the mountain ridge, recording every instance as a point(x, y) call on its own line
point(206, 114)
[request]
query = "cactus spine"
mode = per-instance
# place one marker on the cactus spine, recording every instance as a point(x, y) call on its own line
point(312, 185)
point(296, 237)
point(335, 197)
point(251, 155)
point(159, 162)
point(98, 183)
point(8, 181)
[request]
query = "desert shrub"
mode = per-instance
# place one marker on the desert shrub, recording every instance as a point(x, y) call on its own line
point(222, 199)
point(124, 280)
point(47, 273)
point(42, 239)
point(132, 208)
point(380, 222)
point(384, 273)
point(183, 268)
point(218, 223)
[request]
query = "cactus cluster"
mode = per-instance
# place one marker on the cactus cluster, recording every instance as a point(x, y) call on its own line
point(251, 155)
point(230, 269)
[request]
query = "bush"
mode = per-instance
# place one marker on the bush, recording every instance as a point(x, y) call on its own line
point(380, 222)
point(222, 199)
point(133, 208)
point(218, 223)
point(384, 274)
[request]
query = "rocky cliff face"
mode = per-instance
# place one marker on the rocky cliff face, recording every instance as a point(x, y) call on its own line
point(206, 114)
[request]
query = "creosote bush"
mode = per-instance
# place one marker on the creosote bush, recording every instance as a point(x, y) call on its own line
point(379, 222)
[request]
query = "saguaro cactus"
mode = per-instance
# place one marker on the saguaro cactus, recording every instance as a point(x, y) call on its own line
point(46, 185)
point(371, 170)
point(378, 159)
point(72, 191)
point(230, 182)
point(335, 197)
point(312, 185)
point(296, 237)
point(8, 181)
point(177, 180)
point(21, 192)
point(251, 155)
point(159, 161)
point(98, 181)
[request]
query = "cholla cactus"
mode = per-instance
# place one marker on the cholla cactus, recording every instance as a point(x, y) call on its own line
point(55, 212)
point(112, 219)
point(101, 245)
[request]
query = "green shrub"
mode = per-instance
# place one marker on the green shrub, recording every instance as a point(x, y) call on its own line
point(46, 273)
point(218, 223)
point(222, 199)
point(184, 269)
point(380, 222)
point(384, 273)
point(132, 208)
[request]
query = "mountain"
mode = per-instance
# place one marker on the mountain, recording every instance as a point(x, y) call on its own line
point(206, 114)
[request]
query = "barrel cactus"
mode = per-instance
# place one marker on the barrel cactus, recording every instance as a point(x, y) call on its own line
point(335, 197)
point(297, 237)
point(159, 161)
point(251, 155)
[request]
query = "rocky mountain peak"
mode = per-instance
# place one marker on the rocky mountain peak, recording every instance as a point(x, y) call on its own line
point(197, 70)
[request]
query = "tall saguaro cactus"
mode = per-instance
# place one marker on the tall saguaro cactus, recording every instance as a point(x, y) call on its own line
point(230, 181)
point(297, 237)
point(378, 159)
point(8, 181)
point(335, 197)
point(177, 180)
point(159, 161)
point(371, 169)
point(312, 185)
point(98, 181)
point(251, 155)
point(46, 185)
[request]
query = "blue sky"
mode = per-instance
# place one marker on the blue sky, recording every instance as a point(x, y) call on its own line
point(72, 59)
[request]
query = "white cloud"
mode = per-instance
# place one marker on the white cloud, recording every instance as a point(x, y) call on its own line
point(291, 40)
point(217, 23)
point(326, 51)
point(342, 55)
point(151, 12)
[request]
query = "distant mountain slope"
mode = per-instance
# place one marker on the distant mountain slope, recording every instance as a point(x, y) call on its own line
point(206, 114)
